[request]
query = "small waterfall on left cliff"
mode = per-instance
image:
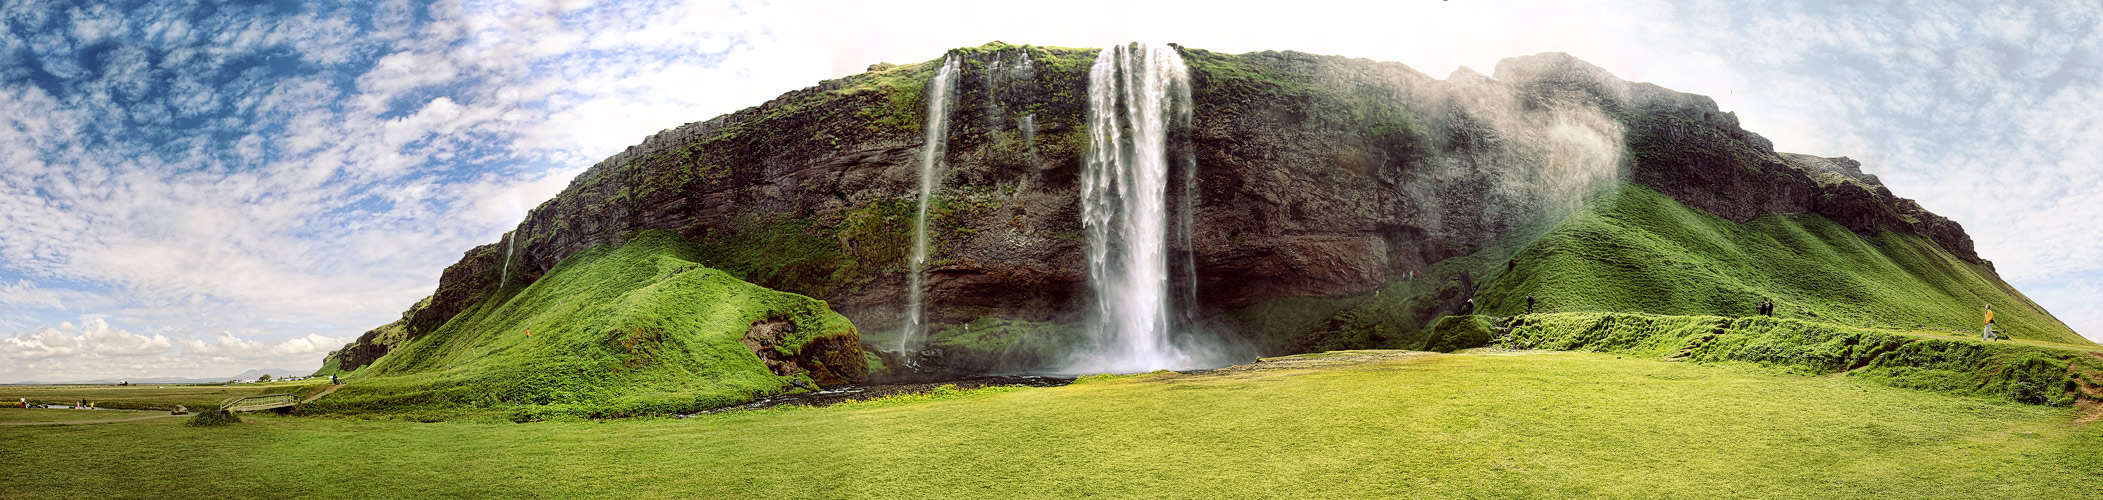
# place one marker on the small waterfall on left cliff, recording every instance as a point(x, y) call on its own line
point(937, 133)
point(510, 245)
point(1136, 95)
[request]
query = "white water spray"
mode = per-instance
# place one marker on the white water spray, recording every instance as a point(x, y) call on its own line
point(1133, 95)
point(510, 246)
point(937, 131)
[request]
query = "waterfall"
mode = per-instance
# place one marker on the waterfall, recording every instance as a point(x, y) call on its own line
point(511, 245)
point(937, 131)
point(1134, 96)
point(1188, 209)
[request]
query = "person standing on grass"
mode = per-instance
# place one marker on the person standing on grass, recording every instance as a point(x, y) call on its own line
point(1529, 303)
point(1987, 335)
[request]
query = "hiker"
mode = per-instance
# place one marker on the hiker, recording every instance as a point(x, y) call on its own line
point(1468, 308)
point(1987, 335)
point(332, 380)
point(1529, 303)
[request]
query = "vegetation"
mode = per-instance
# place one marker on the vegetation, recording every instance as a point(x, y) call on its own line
point(2032, 373)
point(1346, 425)
point(1640, 251)
point(12, 414)
point(135, 397)
point(213, 417)
point(1631, 249)
point(611, 331)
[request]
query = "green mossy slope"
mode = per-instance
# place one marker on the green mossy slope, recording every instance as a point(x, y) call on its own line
point(1639, 251)
point(629, 330)
point(2033, 374)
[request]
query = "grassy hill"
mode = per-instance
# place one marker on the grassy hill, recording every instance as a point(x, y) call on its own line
point(1631, 249)
point(638, 328)
point(1635, 250)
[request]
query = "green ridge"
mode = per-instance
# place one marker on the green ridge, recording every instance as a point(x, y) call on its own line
point(1636, 250)
point(1631, 249)
point(634, 329)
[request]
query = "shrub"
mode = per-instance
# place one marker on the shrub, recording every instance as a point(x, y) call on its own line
point(213, 418)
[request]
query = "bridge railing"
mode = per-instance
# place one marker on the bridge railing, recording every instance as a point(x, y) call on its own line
point(260, 402)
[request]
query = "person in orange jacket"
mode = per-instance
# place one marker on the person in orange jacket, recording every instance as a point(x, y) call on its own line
point(1988, 335)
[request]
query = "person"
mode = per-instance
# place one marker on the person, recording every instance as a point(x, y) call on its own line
point(1469, 308)
point(332, 380)
point(1987, 335)
point(1529, 303)
point(24, 403)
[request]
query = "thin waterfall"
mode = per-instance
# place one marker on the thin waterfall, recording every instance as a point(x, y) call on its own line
point(511, 245)
point(937, 131)
point(1134, 93)
point(1188, 211)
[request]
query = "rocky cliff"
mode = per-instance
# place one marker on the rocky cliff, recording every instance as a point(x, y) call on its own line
point(1315, 176)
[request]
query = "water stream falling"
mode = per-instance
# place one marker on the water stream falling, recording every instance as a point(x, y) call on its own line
point(510, 246)
point(1136, 93)
point(937, 131)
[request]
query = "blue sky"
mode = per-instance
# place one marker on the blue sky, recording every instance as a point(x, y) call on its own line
point(197, 190)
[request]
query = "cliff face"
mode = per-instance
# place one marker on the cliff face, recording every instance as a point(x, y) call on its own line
point(1315, 176)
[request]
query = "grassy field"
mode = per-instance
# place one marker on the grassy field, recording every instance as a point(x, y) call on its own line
point(137, 397)
point(12, 414)
point(1366, 424)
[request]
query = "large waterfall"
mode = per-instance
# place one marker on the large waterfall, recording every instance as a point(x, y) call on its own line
point(1136, 94)
point(937, 133)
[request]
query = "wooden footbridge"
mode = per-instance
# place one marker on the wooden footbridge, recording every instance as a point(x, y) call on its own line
point(270, 401)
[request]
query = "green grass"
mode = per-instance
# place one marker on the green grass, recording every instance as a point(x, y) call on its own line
point(635, 329)
point(1639, 251)
point(136, 397)
point(1540, 425)
point(2027, 372)
point(13, 414)
point(1630, 249)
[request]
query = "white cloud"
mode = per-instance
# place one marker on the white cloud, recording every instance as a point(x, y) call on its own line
point(93, 349)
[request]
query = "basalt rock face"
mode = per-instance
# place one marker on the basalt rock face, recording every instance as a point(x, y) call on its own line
point(1860, 202)
point(1316, 176)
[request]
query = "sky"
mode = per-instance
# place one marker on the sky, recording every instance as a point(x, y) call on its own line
point(199, 189)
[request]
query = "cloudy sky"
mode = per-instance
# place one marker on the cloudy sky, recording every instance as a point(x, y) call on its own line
point(198, 190)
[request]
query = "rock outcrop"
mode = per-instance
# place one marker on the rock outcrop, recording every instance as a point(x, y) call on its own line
point(1316, 176)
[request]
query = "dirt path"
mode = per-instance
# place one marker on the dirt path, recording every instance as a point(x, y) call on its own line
point(96, 421)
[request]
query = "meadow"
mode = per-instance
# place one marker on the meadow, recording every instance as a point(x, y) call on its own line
point(1482, 423)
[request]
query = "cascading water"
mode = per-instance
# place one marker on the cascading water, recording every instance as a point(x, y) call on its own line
point(511, 244)
point(937, 131)
point(1134, 96)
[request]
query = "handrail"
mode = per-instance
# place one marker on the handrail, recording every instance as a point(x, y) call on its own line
point(260, 402)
